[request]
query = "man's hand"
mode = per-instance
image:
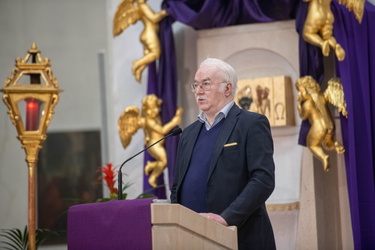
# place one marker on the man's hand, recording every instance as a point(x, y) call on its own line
point(215, 217)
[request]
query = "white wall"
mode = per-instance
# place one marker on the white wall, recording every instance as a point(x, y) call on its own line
point(70, 33)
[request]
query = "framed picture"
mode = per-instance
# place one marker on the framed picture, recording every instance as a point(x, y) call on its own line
point(68, 174)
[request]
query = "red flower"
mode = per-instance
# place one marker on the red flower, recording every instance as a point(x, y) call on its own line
point(109, 177)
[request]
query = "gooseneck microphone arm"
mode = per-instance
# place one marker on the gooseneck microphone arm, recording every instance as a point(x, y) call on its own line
point(174, 132)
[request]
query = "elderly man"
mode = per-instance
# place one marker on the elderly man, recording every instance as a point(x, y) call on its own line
point(225, 167)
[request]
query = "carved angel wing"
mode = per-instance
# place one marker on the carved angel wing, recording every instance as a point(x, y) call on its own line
point(334, 94)
point(126, 14)
point(128, 123)
point(357, 6)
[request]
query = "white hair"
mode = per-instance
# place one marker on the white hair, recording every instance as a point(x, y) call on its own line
point(226, 72)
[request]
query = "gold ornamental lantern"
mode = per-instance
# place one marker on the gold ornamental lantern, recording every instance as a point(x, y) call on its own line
point(31, 94)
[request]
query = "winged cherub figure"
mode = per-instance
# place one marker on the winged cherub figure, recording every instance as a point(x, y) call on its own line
point(128, 13)
point(318, 27)
point(150, 121)
point(312, 105)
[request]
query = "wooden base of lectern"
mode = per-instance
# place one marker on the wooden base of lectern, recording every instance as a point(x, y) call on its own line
point(177, 227)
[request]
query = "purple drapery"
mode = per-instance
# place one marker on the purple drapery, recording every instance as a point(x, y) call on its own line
point(208, 14)
point(358, 134)
point(164, 86)
point(357, 73)
point(311, 62)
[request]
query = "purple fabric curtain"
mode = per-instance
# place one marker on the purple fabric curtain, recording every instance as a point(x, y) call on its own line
point(311, 62)
point(206, 14)
point(162, 82)
point(355, 71)
point(152, 88)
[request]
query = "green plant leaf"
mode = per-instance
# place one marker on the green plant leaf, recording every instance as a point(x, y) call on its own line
point(143, 196)
point(25, 237)
point(124, 195)
point(127, 185)
point(11, 248)
point(14, 237)
point(11, 244)
point(146, 194)
point(44, 234)
point(103, 200)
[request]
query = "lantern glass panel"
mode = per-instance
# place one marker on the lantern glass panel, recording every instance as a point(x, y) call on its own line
point(31, 110)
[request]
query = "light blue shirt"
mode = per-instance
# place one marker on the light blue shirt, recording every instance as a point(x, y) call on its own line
point(220, 116)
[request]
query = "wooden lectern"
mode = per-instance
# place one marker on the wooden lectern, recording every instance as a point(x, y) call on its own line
point(177, 227)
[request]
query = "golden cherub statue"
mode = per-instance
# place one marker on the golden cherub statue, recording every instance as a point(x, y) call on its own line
point(127, 13)
point(312, 105)
point(318, 27)
point(150, 121)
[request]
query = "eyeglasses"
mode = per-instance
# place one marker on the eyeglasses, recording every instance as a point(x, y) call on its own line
point(206, 85)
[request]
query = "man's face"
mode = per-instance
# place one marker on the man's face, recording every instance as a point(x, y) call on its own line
point(213, 100)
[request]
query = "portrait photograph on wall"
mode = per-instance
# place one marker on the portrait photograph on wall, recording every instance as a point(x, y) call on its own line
point(68, 174)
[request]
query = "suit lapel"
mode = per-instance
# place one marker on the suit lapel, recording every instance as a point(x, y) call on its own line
point(226, 131)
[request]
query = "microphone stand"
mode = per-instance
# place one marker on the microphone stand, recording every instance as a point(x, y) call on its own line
point(119, 178)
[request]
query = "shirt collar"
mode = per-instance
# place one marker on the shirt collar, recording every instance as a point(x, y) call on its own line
point(221, 115)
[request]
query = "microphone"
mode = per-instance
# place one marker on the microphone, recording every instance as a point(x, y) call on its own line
point(174, 132)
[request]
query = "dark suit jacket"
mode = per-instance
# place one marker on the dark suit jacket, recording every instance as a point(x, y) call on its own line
point(241, 175)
